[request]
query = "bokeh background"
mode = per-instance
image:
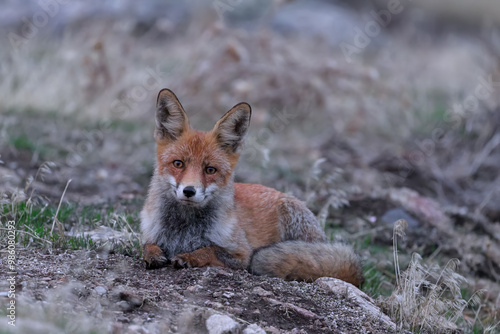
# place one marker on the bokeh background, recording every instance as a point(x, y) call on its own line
point(370, 111)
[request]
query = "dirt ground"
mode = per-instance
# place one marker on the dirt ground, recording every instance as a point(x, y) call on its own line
point(88, 291)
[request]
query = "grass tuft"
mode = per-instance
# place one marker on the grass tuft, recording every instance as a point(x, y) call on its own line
point(427, 298)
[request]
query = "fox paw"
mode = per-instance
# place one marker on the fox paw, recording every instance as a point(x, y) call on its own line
point(156, 262)
point(184, 260)
point(154, 257)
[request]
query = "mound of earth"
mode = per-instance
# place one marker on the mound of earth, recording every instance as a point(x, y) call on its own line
point(88, 291)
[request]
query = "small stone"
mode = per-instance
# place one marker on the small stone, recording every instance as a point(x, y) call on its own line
point(124, 306)
point(222, 272)
point(222, 324)
point(100, 290)
point(212, 304)
point(235, 310)
point(391, 216)
point(137, 329)
point(253, 329)
point(122, 319)
point(132, 299)
point(261, 292)
point(228, 294)
point(194, 288)
point(272, 330)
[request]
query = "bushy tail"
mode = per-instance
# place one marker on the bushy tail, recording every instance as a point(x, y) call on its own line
point(306, 261)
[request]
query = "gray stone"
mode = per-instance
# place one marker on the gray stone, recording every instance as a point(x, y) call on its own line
point(222, 324)
point(100, 290)
point(392, 216)
point(253, 329)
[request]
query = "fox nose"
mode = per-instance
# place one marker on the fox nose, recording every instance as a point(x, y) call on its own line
point(189, 191)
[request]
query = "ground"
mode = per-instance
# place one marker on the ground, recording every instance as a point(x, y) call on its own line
point(86, 291)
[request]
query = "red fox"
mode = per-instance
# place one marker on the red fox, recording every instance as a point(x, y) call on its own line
point(195, 215)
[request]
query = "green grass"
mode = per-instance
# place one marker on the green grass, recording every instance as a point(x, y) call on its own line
point(22, 142)
point(376, 283)
point(34, 223)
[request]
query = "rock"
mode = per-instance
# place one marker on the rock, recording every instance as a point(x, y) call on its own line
point(427, 209)
point(392, 216)
point(222, 324)
point(272, 330)
point(348, 290)
point(133, 299)
point(193, 319)
point(228, 294)
point(296, 309)
point(126, 301)
point(253, 329)
point(194, 288)
point(124, 306)
point(100, 290)
point(261, 292)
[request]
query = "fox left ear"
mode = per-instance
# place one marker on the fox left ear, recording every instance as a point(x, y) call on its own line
point(171, 119)
point(231, 129)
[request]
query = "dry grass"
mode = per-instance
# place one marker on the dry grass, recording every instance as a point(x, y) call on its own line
point(428, 299)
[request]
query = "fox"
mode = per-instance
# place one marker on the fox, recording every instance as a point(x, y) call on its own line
point(195, 215)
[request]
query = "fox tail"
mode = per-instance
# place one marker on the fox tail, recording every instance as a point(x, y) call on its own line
point(306, 261)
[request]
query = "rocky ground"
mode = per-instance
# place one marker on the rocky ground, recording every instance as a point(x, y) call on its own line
point(88, 292)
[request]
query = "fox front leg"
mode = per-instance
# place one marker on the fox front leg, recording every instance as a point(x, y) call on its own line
point(206, 256)
point(212, 256)
point(154, 256)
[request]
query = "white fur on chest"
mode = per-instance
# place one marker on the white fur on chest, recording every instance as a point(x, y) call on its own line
point(222, 233)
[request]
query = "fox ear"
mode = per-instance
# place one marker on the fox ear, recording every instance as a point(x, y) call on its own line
point(171, 119)
point(231, 129)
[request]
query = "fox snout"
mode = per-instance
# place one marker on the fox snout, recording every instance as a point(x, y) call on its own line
point(189, 191)
point(190, 194)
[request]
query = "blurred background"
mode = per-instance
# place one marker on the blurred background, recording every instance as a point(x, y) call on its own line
point(370, 111)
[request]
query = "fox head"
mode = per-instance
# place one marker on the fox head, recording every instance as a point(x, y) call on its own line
point(195, 166)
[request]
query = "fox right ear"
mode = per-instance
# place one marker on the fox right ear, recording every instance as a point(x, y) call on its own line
point(171, 119)
point(231, 129)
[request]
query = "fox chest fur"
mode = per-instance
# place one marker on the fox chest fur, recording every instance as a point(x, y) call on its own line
point(178, 228)
point(184, 230)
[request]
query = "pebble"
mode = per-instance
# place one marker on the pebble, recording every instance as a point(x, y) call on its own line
point(261, 292)
point(222, 324)
point(254, 329)
point(100, 290)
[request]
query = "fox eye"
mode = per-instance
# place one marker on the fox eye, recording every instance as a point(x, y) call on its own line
point(178, 164)
point(210, 170)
